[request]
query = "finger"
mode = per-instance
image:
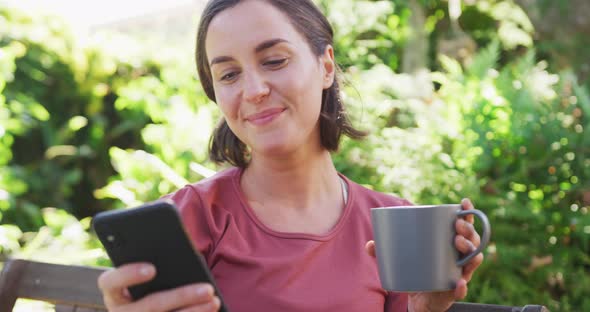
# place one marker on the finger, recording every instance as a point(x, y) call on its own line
point(467, 205)
point(475, 239)
point(461, 289)
point(198, 295)
point(471, 266)
point(370, 247)
point(126, 293)
point(212, 306)
point(467, 230)
point(114, 282)
point(463, 245)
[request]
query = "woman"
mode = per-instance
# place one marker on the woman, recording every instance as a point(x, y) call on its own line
point(282, 230)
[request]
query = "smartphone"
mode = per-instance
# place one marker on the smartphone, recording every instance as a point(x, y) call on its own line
point(153, 233)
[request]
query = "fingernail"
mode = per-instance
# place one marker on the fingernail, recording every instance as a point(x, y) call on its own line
point(204, 290)
point(470, 244)
point(216, 302)
point(146, 270)
point(466, 225)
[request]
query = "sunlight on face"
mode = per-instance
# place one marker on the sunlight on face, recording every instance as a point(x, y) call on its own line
point(267, 82)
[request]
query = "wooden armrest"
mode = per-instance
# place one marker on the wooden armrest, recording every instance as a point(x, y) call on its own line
point(477, 307)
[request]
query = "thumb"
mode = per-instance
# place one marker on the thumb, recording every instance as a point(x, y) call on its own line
point(370, 247)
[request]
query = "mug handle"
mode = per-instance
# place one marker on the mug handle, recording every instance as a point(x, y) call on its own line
point(485, 239)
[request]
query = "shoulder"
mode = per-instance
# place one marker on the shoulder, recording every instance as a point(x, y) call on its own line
point(365, 196)
point(209, 195)
point(221, 182)
point(204, 207)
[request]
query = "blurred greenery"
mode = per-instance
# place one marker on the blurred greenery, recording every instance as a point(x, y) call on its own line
point(462, 99)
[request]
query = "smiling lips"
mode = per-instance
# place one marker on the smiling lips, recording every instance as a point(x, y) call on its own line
point(266, 116)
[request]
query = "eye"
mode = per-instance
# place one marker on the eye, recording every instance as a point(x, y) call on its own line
point(276, 63)
point(229, 76)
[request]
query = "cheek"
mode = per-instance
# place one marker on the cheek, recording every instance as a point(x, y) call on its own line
point(227, 101)
point(305, 87)
point(310, 96)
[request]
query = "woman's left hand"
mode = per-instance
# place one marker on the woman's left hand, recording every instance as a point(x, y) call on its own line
point(466, 241)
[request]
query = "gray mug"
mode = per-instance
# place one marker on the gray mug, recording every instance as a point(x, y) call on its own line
point(415, 246)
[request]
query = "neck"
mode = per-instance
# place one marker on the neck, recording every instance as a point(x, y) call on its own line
point(298, 183)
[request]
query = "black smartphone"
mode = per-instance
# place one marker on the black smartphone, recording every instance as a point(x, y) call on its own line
point(153, 233)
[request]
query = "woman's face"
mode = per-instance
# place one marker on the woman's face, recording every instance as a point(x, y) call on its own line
point(267, 82)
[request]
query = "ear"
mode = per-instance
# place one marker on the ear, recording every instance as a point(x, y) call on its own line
point(329, 66)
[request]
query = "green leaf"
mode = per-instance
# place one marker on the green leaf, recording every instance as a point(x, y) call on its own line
point(57, 218)
point(512, 36)
point(484, 60)
point(451, 66)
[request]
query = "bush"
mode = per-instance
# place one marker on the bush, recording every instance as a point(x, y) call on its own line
point(84, 130)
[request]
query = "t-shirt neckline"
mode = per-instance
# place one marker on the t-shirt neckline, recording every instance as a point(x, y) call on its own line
point(292, 235)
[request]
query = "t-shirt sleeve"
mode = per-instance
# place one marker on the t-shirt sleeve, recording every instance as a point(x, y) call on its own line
point(396, 302)
point(196, 220)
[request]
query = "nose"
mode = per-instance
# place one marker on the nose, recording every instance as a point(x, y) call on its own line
point(255, 87)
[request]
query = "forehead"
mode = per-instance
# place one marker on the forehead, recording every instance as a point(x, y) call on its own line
point(246, 25)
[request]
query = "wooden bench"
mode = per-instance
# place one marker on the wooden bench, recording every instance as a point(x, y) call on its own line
point(70, 288)
point(74, 288)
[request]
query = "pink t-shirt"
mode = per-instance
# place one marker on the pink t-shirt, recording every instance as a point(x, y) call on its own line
point(258, 269)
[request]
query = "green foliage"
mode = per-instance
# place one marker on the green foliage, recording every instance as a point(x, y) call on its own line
point(367, 32)
point(48, 134)
point(65, 105)
point(529, 129)
point(87, 129)
point(176, 141)
point(514, 27)
point(410, 142)
point(64, 239)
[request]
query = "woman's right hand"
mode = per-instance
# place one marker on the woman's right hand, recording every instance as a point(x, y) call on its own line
point(114, 282)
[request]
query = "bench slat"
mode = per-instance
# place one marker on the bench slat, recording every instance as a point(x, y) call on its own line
point(74, 289)
point(477, 307)
point(65, 308)
point(73, 285)
point(69, 308)
point(9, 277)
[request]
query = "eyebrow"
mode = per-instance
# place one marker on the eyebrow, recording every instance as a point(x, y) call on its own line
point(259, 48)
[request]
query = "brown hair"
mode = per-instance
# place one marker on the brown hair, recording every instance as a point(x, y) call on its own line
point(315, 28)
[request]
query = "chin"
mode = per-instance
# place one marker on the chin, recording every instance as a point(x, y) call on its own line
point(276, 148)
point(280, 145)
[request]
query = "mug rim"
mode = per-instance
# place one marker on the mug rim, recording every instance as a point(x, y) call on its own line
point(417, 206)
